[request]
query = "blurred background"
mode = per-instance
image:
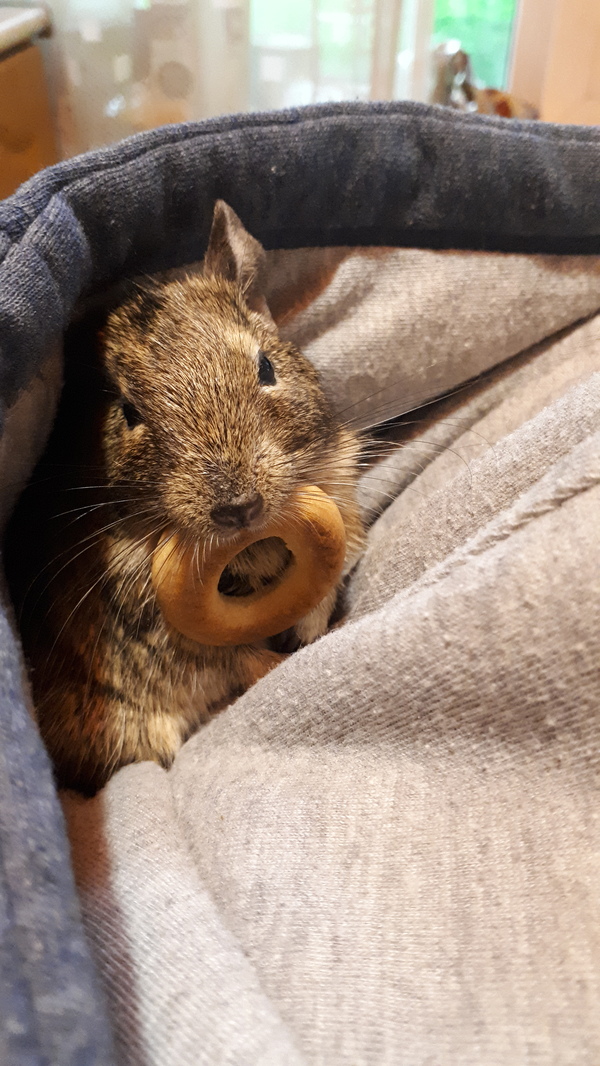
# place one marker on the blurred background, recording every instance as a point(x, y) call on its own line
point(78, 74)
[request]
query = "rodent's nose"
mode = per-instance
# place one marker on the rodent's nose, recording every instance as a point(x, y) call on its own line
point(240, 513)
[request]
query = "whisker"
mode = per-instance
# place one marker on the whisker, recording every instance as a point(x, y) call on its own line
point(88, 508)
point(371, 395)
point(414, 402)
point(89, 541)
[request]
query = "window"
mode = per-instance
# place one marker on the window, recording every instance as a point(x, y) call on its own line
point(484, 29)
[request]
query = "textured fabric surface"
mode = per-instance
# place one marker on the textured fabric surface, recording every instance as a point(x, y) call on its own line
point(50, 1006)
point(180, 986)
point(525, 397)
point(392, 328)
point(386, 850)
point(336, 175)
point(396, 174)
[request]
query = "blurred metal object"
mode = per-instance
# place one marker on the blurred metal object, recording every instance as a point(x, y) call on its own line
point(455, 86)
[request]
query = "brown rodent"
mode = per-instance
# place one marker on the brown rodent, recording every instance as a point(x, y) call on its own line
point(205, 422)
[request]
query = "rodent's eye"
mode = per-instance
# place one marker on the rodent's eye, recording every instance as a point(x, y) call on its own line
point(266, 373)
point(131, 415)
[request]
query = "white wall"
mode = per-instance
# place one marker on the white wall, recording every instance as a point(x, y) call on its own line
point(556, 60)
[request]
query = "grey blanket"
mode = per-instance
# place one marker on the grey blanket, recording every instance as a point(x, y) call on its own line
point(386, 851)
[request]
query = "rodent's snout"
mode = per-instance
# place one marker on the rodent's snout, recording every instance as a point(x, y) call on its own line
point(239, 513)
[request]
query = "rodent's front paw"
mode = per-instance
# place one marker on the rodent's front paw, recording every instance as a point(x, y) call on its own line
point(316, 622)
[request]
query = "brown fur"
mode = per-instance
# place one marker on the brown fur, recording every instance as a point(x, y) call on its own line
point(113, 683)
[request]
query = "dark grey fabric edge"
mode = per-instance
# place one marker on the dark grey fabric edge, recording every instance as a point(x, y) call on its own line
point(336, 174)
point(51, 1008)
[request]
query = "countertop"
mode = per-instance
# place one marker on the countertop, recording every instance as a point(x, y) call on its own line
point(19, 24)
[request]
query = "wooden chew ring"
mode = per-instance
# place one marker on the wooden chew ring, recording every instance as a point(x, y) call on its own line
point(187, 584)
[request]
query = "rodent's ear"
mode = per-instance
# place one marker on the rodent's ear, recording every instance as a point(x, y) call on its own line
point(234, 254)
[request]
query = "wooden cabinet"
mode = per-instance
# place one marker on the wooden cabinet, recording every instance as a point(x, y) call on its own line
point(27, 140)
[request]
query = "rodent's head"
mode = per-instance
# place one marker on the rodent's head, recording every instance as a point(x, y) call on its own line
point(214, 421)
